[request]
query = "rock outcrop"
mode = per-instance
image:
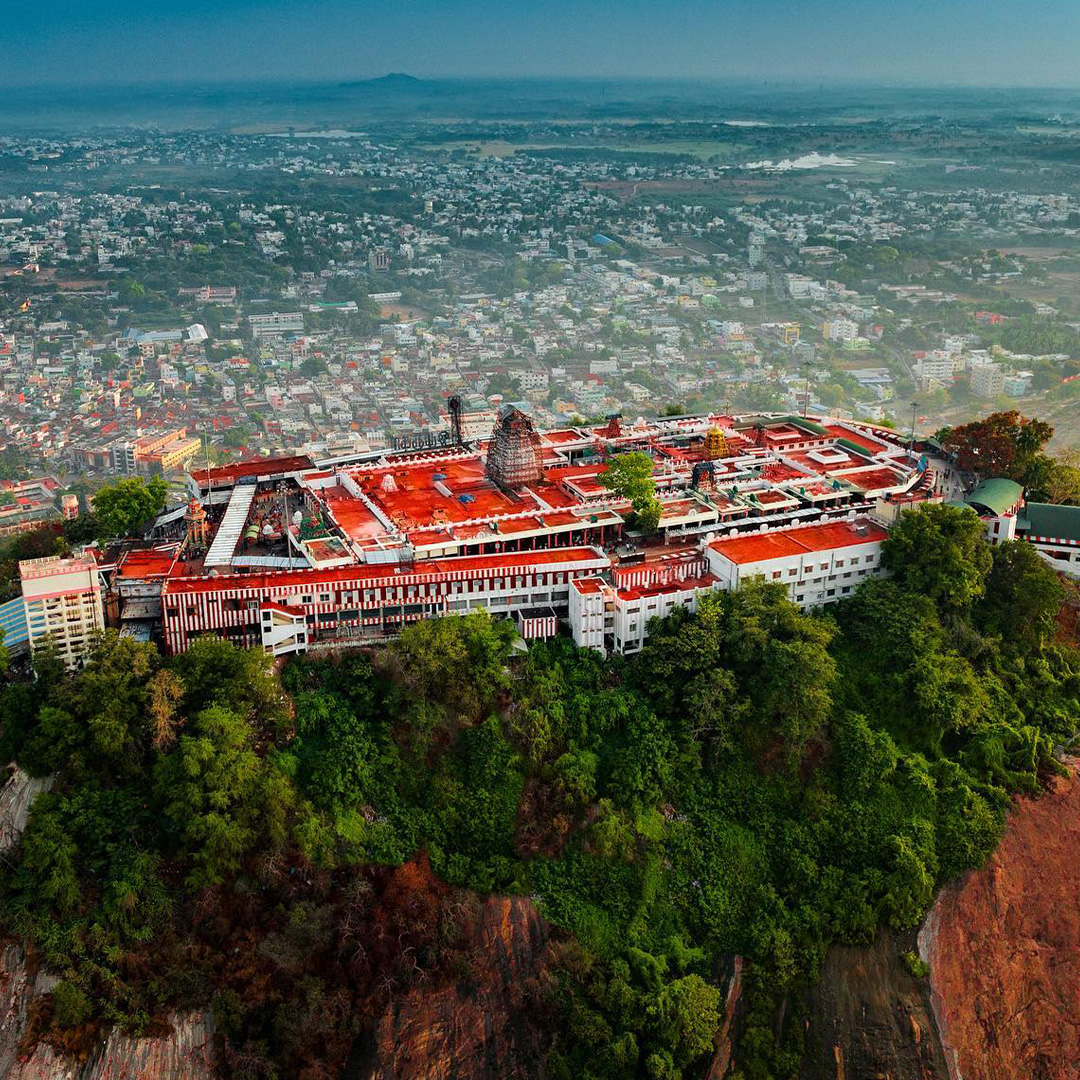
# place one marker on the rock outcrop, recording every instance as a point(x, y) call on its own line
point(725, 1038)
point(871, 1017)
point(1003, 947)
point(185, 1053)
point(16, 795)
point(479, 1030)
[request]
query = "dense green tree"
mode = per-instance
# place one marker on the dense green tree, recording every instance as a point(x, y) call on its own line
point(461, 659)
point(631, 477)
point(214, 672)
point(221, 800)
point(128, 504)
point(1023, 595)
point(939, 551)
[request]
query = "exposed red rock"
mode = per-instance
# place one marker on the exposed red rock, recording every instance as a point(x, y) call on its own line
point(1003, 946)
point(479, 1031)
point(725, 1037)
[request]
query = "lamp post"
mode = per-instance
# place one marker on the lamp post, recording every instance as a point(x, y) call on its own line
point(911, 439)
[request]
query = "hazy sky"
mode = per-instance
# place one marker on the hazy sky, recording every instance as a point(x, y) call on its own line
point(997, 42)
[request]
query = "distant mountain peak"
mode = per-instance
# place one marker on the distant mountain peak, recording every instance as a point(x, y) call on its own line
point(395, 81)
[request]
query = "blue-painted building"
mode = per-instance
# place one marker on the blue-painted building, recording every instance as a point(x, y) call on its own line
point(13, 625)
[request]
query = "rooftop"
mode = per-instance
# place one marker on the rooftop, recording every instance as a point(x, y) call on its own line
point(997, 495)
point(399, 573)
point(785, 543)
point(146, 563)
point(1053, 522)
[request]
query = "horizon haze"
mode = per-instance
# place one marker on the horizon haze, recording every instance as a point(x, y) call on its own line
point(954, 42)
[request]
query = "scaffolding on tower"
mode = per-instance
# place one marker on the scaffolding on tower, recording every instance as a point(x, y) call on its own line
point(454, 407)
point(515, 457)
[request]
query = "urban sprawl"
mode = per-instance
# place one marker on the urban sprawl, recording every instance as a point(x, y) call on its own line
point(386, 381)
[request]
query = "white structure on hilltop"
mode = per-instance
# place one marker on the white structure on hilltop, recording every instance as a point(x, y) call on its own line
point(818, 564)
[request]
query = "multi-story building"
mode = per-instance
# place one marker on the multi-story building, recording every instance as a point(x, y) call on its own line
point(938, 365)
point(818, 564)
point(212, 294)
point(614, 617)
point(276, 323)
point(62, 599)
point(169, 451)
point(288, 611)
point(987, 380)
point(166, 453)
point(840, 330)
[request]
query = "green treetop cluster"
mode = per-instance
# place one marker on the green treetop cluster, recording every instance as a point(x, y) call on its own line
point(631, 476)
point(300, 851)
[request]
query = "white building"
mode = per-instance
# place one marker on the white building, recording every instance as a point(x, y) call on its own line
point(840, 330)
point(819, 564)
point(276, 322)
point(607, 618)
point(62, 600)
point(938, 364)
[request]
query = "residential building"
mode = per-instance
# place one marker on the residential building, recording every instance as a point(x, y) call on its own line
point(987, 380)
point(62, 600)
point(276, 323)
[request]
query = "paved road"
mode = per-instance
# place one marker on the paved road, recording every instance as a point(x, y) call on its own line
point(949, 485)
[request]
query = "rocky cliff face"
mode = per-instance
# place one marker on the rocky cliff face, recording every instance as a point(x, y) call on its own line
point(1003, 946)
point(870, 1018)
point(185, 1053)
point(475, 1030)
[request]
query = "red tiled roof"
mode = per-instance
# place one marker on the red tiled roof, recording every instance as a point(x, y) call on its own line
point(268, 466)
point(663, 588)
point(782, 544)
point(146, 563)
point(521, 561)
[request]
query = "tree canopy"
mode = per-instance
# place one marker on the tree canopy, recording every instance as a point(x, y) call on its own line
point(1004, 444)
point(299, 849)
point(939, 552)
point(631, 476)
point(128, 504)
